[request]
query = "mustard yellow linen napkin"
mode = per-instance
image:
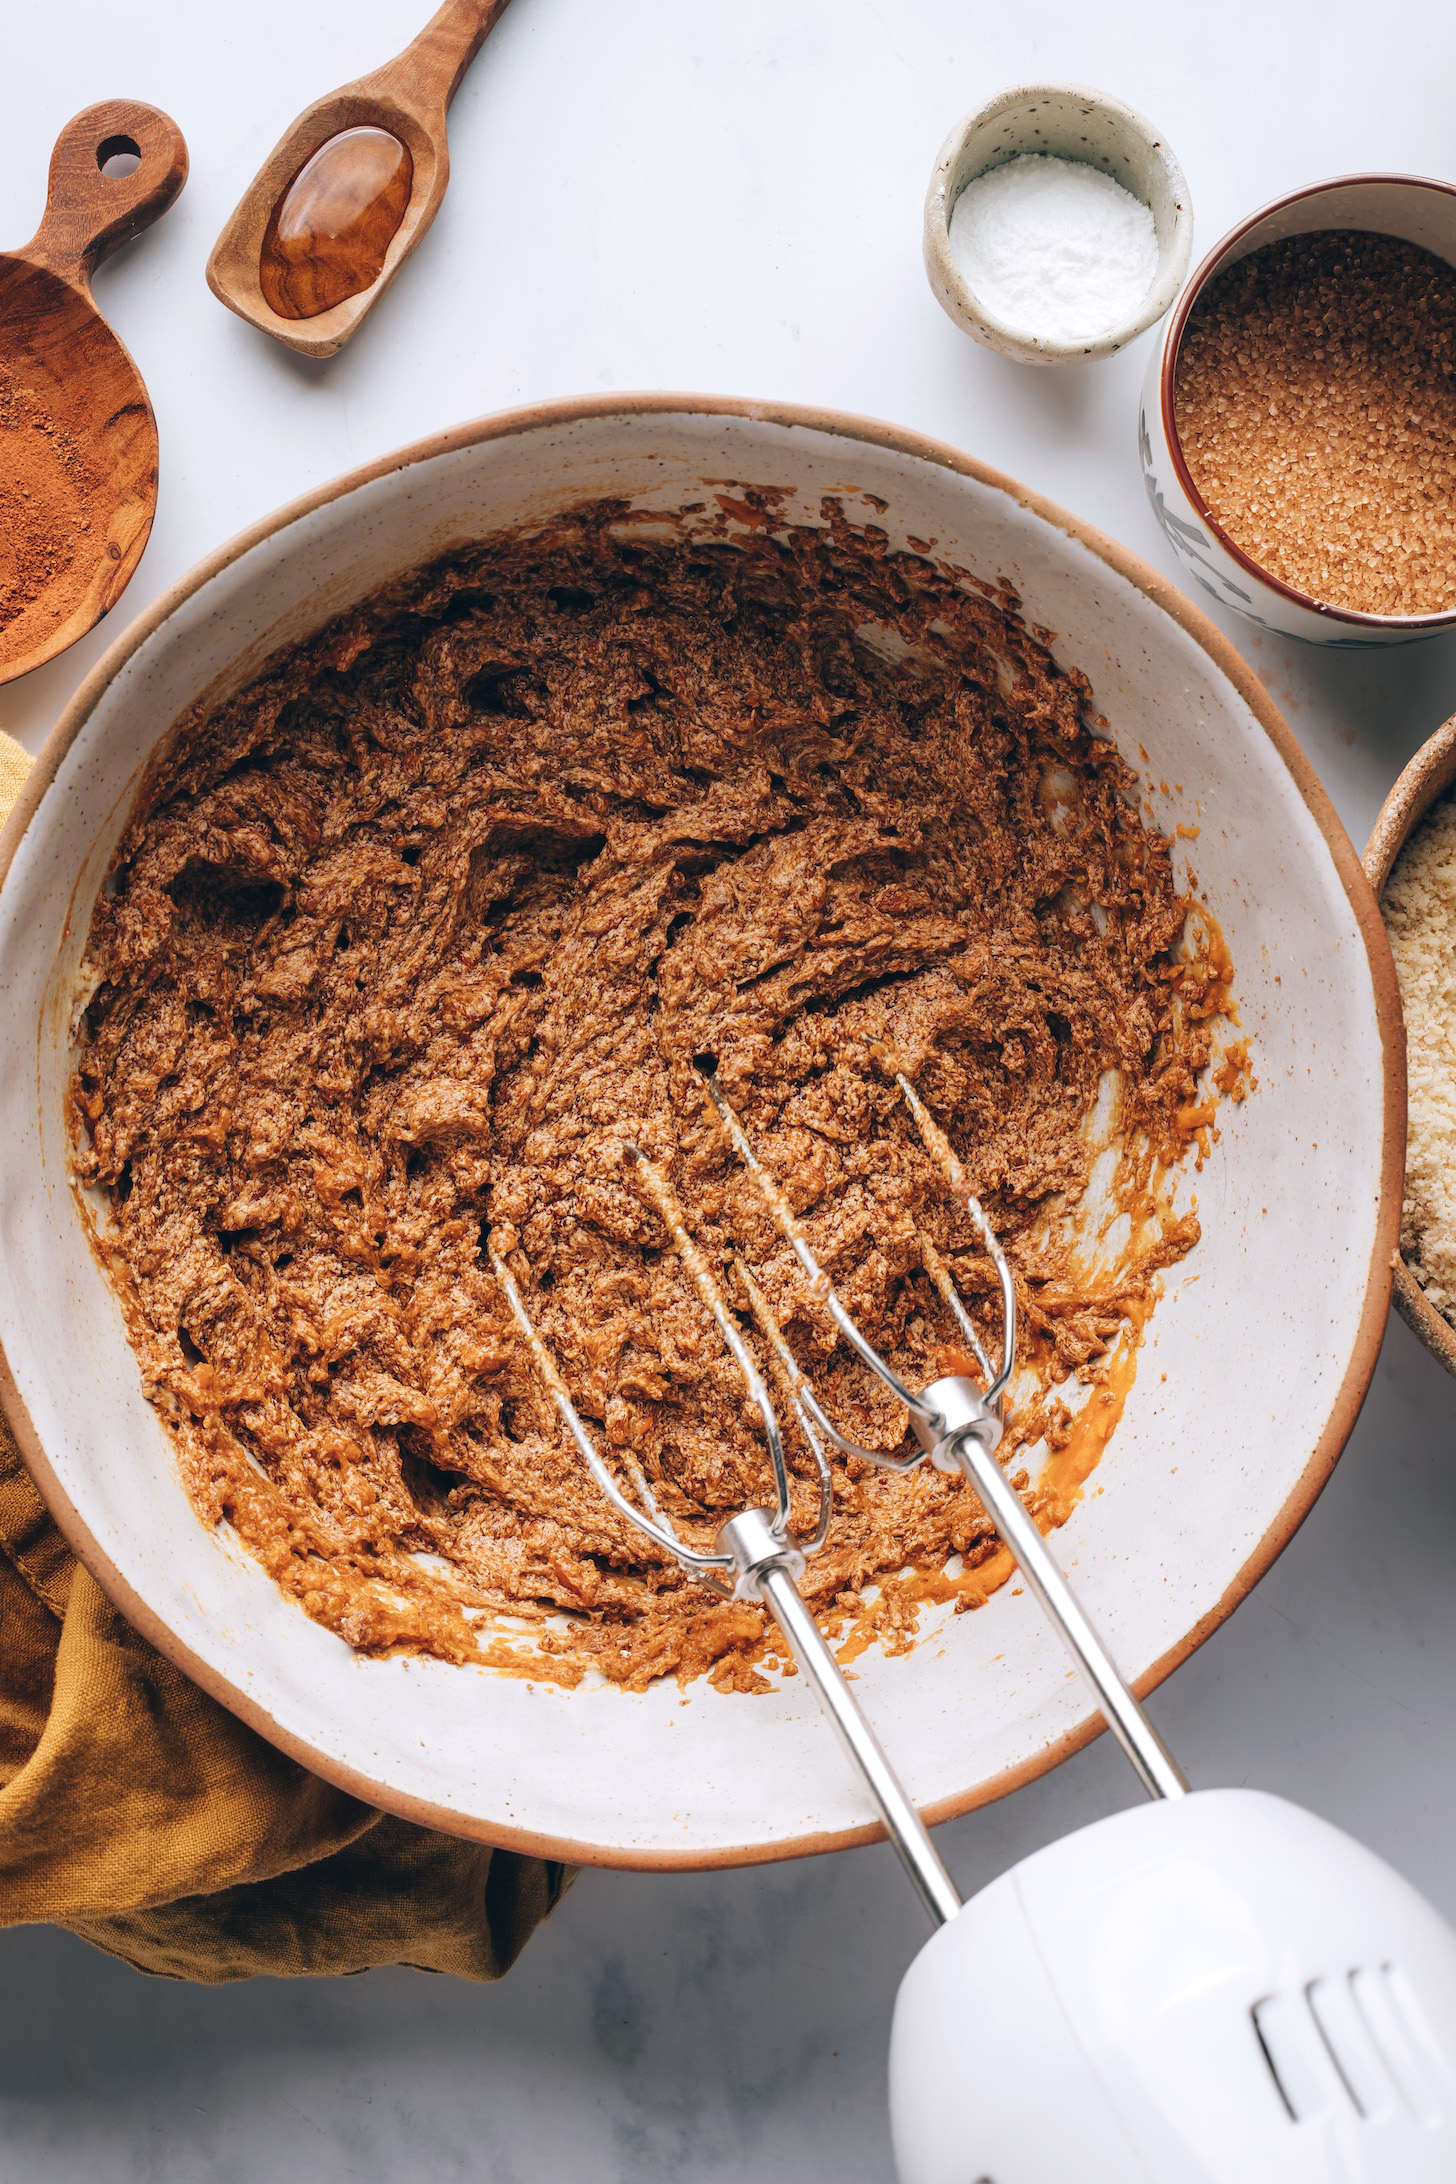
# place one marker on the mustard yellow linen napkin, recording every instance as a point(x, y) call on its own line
point(142, 1815)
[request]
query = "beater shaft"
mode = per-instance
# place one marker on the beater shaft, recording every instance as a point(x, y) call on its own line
point(1155, 1766)
point(766, 1568)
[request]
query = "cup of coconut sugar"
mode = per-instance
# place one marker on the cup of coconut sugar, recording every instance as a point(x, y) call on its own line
point(1058, 224)
point(1298, 424)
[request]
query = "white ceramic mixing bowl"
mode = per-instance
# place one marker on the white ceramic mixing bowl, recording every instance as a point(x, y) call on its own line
point(1252, 1372)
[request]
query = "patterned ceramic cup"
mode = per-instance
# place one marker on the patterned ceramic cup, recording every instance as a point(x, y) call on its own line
point(1406, 206)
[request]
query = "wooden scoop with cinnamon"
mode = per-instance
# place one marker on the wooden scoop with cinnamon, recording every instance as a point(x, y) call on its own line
point(78, 441)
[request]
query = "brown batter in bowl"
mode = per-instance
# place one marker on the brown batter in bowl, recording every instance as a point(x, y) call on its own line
point(401, 942)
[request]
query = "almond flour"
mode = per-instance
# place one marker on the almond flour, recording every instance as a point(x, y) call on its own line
point(1420, 915)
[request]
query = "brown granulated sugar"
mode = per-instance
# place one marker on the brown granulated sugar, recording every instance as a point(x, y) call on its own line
point(1316, 405)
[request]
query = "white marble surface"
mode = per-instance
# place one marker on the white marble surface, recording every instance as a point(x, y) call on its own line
point(667, 193)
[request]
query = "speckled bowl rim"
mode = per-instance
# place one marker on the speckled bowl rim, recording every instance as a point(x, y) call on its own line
point(1350, 1394)
point(1177, 326)
point(1424, 781)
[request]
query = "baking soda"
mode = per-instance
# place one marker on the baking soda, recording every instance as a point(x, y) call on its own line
point(1054, 247)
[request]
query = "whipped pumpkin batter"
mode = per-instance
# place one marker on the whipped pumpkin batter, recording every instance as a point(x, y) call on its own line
point(404, 941)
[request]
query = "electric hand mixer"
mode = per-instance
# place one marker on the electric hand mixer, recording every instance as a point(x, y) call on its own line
point(1216, 1988)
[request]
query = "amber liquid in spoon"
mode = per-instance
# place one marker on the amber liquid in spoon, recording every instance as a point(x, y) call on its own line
point(329, 231)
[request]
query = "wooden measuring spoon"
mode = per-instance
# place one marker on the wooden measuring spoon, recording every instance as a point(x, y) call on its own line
point(352, 207)
point(78, 441)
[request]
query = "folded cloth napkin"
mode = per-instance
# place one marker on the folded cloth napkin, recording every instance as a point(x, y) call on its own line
point(142, 1815)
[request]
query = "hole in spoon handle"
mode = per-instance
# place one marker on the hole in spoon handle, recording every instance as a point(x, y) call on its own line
point(90, 213)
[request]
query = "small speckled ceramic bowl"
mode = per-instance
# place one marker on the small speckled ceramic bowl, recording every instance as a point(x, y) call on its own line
point(1403, 205)
point(1069, 122)
point(1426, 779)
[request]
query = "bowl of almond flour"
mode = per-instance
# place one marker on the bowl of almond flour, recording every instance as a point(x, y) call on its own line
point(1411, 863)
point(1298, 424)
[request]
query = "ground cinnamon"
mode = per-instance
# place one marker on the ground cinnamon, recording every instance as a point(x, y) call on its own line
point(49, 506)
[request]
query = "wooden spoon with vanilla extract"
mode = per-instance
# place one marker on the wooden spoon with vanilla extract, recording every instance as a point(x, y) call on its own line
point(348, 191)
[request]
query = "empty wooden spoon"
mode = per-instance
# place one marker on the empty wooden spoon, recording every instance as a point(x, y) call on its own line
point(78, 441)
point(348, 191)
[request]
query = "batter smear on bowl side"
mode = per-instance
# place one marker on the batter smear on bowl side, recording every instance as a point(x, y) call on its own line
point(403, 943)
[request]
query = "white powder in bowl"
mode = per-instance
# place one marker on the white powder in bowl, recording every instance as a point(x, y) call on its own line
point(1420, 916)
point(1054, 248)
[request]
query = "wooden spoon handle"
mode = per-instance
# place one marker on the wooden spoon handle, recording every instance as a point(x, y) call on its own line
point(429, 70)
point(89, 214)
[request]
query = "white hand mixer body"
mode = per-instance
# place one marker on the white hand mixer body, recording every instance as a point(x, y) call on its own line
point(1220, 1989)
point(1216, 1988)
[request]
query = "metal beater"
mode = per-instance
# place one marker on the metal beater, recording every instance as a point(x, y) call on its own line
point(1217, 1988)
point(958, 1426)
